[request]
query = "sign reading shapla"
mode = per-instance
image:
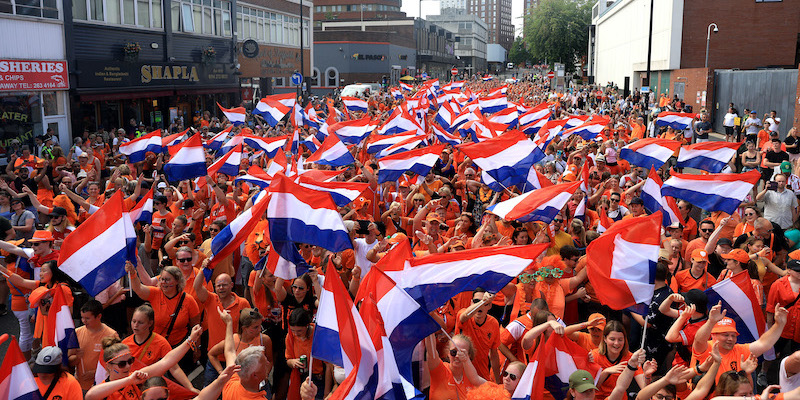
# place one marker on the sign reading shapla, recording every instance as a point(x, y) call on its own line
point(95, 74)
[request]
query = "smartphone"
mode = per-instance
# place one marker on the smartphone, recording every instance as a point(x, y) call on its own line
point(772, 185)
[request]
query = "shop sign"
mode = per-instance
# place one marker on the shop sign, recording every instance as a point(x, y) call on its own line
point(20, 75)
point(118, 74)
point(272, 61)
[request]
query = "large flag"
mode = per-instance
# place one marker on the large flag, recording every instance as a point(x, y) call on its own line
point(341, 338)
point(712, 192)
point(217, 140)
point(60, 326)
point(649, 152)
point(622, 262)
point(355, 104)
point(590, 129)
point(407, 144)
point(400, 121)
point(445, 137)
point(507, 158)
point(270, 146)
point(679, 121)
point(535, 114)
point(137, 149)
point(175, 138)
point(143, 210)
point(741, 302)
point(655, 201)
point(227, 164)
point(236, 115)
point(419, 161)
point(535, 181)
point(95, 253)
point(445, 115)
point(343, 193)
point(232, 235)
point(298, 214)
point(332, 152)
point(353, 131)
point(376, 143)
point(271, 110)
point(433, 279)
point(16, 378)
point(708, 156)
point(554, 362)
point(537, 205)
point(188, 160)
point(493, 104)
point(284, 261)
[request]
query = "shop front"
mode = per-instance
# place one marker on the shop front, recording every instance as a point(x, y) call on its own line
point(33, 98)
point(113, 94)
point(268, 68)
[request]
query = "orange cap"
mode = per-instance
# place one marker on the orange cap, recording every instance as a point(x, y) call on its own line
point(724, 326)
point(699, 255)
point(42, 236)
point(738, 255)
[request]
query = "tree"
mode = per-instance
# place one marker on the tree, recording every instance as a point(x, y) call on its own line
point(557, 31)
point(519, 52)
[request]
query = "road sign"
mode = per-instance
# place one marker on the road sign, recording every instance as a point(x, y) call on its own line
point(297, 78)
point(645, 89)
point(551, 75)
point(454, 71)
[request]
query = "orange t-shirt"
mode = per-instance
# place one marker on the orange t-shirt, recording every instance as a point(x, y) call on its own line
point(684, 281)
point(234, 390)
point(272, 312)
point(484, 337)
point(730, 359)
point(164, 307)
point(445, 387)
point(152, 350)
point(92, 350)
point(161, 225)
point(216, 328)
point(67, 388)
point(605, 389)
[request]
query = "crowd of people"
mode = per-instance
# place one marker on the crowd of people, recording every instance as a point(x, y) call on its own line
point(165, 331)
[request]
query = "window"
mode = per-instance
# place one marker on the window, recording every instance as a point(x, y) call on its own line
point(268, 27)
point(331, 77)
point(140, 13)
point(32, 8)
point(315, 77)
point(279, 81)
point(209, 17)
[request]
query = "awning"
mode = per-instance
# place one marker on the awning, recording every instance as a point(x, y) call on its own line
point(407, 78)
point(208, 91)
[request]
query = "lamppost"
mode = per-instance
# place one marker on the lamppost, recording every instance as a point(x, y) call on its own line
point(708, 39)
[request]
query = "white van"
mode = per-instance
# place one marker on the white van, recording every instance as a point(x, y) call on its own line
point(358, 89)
point(510, 66)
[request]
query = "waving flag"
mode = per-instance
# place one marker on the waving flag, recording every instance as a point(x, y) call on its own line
point(396, 94)
point(406, 87)
point(707, 156)
point(536, 181)
point(531, 383)
point(16, 378)
point(493, 104)
point(172, 140)
point(419, 161)
point(270, 146)
point(478, 131)
point(712, 192)
point(285, 262)
point(590, 129)
point(353, 131)
point(433, 279)
point(235, 115)
point(622, 261)
point(466, 115)
point(377, 143)
point(216, 142)
point(227, 146)
point(234, 234)
point(550, 130)
point(655, 201)
point(260, 180)
point(303, 215)
point(446, 115)
point(508, 117)
point(558, 359)
point(604, 222)
point(143, 210)
point(507, 158)
point(538, 205)
point(271, 110)
point(188, 161)
point(287, 99)
point(575, 120)
point(341, 338)
point(227, 164)
point(679, 121)
point(534, 127)
point(60, 328)
point(400, 122)
point(445, 137)
point(355, 104)
point(94, 254)
point(407, 144)
point(535, 114)
point(137, 149)
point(332, 152)
point(649, 152)
point(342, 193)
point(741, 302)
point(312, 143)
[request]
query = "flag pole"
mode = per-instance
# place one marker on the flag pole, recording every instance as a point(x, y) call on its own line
point(644, 330)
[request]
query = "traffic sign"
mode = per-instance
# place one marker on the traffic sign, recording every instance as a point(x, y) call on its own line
point(551, 75)
point(297, 78)
point(454, 71)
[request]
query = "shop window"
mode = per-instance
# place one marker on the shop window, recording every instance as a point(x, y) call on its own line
point(32, 8)
point(331, 77)
point(206, 17)
point(279, 82)
point(140, 13)
point(315, 77)
point(22, 119)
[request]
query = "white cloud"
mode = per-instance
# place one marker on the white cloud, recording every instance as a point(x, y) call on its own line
point(431, 7)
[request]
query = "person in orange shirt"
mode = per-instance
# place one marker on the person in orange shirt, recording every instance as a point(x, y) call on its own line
point(90, 336)
point(612, 352)
point(298, 343)
point(53, 380)
point(452, 381)
point(695, 277)
point(484, 331)
point(748, 224)
point(638, 128)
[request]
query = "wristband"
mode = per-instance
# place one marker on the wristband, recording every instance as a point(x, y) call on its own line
point(697, 368)
point(632, 368)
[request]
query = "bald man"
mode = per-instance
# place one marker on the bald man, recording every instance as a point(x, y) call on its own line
point(770, 233)
point(224, 298)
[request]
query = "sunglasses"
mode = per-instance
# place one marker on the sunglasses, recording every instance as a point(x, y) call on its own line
point(526, 278)
point(749, 214)
point(124, 363)
point(213, 230)
point(615, 200)
point(298, 287)
point(558, 220)
point(509, 375)
point(707, 230)
point(476, 301)
point(453, 352)
point(185, 259)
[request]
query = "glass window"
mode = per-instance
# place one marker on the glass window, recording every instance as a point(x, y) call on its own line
point(128, 13)
point(156, 10)
point(188, 23)
point(79, 10)
point(97, 9)
point(113, 12)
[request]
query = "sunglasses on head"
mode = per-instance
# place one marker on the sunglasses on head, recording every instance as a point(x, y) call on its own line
point(509, 375)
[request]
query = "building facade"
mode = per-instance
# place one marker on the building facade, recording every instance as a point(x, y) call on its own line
point(471, 36)
point(496, 14)
point(34, 81)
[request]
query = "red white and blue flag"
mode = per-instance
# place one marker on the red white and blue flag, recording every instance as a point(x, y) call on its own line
point(342, 193)
point(419, 161)
point(649, 152)
point(216, 142)
point(712, 192)
point(536, 181)
point(143, 210)
point(679, 121)
point(590, 129)
point(137, 149)
point(407, 87)
point(400, 122)
point(172, 140)
point(332, 152)
point(537, 205)
point(303, 215)
point(95, 253)
point(273, 111)
point(16, 378)
point(376, 143)
point(575, 120)
point(554, 362)
point(287, 99)
point(655, 201)
point(355, 104)
point(508, 117)
point(188, 160)
point(235, 115)
point(352, 131)
point(446, 114)
point(270, 145)
point(741, 302)
point(227, 164)
point(445, 137)
point(707, 156)
point(406, 144)
point(535, 114)
point(493, 103)
point(60, 328)
point(507, 158)
point(232, 235)
point(623, 260)
point(284, 261)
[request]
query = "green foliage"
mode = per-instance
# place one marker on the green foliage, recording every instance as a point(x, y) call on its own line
point(557, 31)
point(519, 54)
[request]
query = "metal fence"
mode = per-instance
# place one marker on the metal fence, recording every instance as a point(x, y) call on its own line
point(761, 90)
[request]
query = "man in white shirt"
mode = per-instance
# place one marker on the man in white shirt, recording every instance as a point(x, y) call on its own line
point(774, 121)
point(752, 124)
point(780, 204)
point(362, 245)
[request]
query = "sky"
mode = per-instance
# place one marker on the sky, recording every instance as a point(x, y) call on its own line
point(431, 7)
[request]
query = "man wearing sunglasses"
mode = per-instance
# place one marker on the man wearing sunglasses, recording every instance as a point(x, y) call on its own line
point(705, 229)
point(560, 238)
point(511, 376)
point(484, 330)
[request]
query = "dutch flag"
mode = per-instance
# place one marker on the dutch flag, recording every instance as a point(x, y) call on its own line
point(537, 205)
point(188, 160)
point(235, 115)
point(137, 149)
point(419, 161)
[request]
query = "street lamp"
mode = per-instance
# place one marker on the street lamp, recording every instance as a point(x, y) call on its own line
point(708, 39)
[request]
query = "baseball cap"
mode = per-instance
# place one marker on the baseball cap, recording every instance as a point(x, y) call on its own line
point(724, 242)
point(581, 381)
point(699, 255)
point(37, 295)
point(786, 167)
point(738, 255)
point(793, 265)
point(600, 326)
point(58, 212)
point(42, 236)
point(48, 361)
point(724, 326)
point(434, 217)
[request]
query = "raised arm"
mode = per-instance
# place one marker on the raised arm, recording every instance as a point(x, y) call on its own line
point(715, 315)
point(105, 389)
point(35, 201)
point(213, 391)
point(771, 336)
point(163, 365)
point(230, 349)
point(199, 284)
point(674, 333)
point(141, 290)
